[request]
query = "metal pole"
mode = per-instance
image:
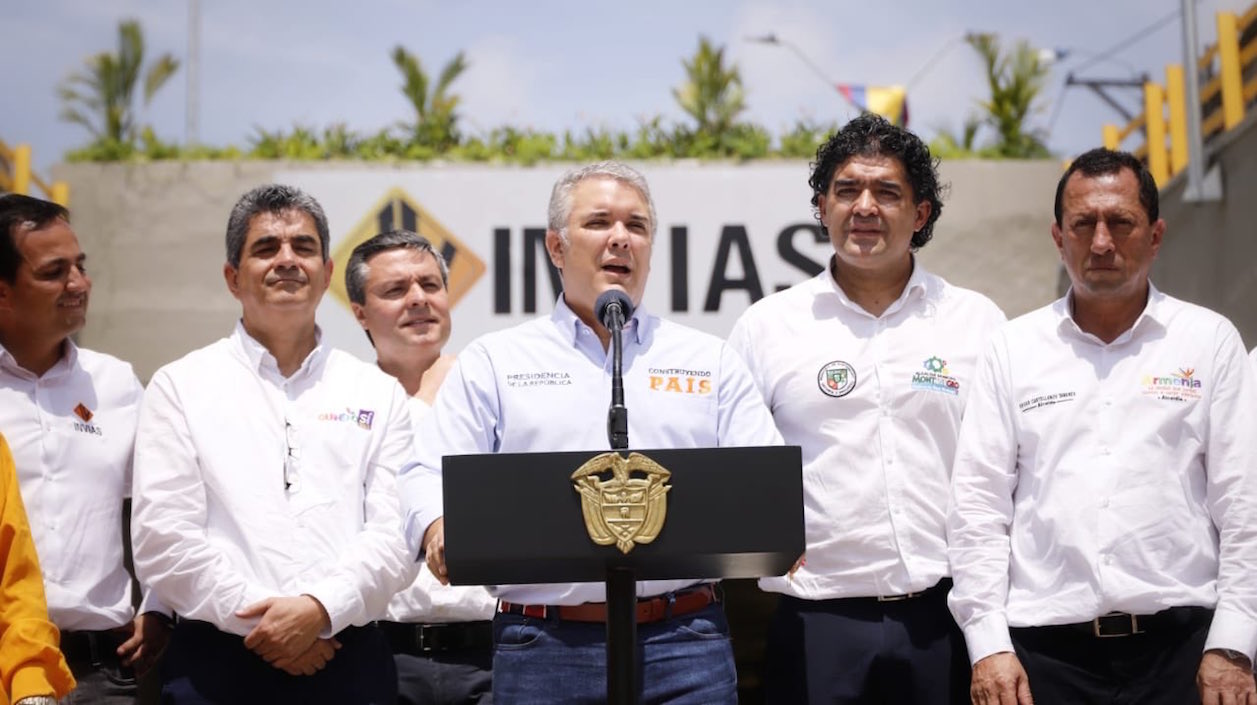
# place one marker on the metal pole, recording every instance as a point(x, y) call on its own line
point(191, 131)
point(1200, 186)
point(622, 675)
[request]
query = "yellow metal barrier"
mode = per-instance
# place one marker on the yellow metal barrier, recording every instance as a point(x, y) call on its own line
point(1223, 96)
point(17, 176)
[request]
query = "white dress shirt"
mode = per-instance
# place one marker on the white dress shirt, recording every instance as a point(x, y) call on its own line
point(875, 403)
point(72, 432)
point(545, 386)
point(250, 485)
point(1097, 477)
point(427, 601)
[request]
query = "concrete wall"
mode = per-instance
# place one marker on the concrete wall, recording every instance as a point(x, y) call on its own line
point(154, 238)
point(1209, 255)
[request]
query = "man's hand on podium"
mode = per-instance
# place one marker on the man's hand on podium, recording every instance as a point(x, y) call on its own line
point(434, 550)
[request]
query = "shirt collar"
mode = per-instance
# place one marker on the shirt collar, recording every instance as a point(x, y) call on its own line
point(637, 329)
point(914, 289)
point(262, 361)
point(69, 358)
point(1154, 314)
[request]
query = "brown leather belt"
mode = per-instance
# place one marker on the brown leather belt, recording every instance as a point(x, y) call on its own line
point(649, 609)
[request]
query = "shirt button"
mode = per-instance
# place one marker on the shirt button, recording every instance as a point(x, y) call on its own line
point(1104, 503)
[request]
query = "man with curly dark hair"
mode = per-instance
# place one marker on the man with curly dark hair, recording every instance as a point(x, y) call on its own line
point(867, 367)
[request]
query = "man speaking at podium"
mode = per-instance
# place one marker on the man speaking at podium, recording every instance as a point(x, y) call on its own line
point(543, 386)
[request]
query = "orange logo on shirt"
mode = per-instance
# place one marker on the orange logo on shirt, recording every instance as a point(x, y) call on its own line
point(83, 412)
point(682, 385)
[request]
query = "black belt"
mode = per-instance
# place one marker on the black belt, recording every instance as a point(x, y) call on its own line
point(422, 639)
point(1119, 624)
point(938, 589)
point(91, 647)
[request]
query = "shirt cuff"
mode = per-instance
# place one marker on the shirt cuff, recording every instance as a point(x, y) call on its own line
point(33, 680)
point(150, 603)
point(340, 599)
point(1232, 629)
point(987, 635)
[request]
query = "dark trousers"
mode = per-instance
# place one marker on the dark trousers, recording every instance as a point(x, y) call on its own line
point(204, 666)
point(860, 650)
point(1069, 664)
point(454, 678)
point(100, 677)
point(442, 664)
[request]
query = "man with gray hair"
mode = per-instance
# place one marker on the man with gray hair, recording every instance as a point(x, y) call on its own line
point(441, 635)
point(551, 639)
point(265, 502)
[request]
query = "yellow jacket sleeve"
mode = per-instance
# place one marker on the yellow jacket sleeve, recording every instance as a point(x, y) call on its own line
point(30, 662)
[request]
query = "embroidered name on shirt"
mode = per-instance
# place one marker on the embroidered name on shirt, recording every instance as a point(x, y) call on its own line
point(538, 379)
point(936, 377)
point(1046, 400)
point(88, 428)
point(680, 380)
point(1177, 386)
point(362, 417)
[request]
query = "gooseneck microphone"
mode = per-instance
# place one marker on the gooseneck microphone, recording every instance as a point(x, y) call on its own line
point(614, 308)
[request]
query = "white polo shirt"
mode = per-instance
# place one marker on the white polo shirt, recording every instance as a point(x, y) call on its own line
point(875, 402)
point(72, 432)
point(545, 386)
point(250, 485)
point(1097, 477)
point(427, 600)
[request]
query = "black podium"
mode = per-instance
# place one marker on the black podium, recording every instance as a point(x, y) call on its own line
point(519, 518)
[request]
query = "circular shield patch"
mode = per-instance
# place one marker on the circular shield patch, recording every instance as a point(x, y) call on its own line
point(836, 379)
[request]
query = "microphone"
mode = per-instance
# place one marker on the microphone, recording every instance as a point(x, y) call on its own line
point(614, 308)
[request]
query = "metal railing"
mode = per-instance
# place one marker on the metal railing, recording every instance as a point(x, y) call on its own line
point(1229, 71)
point(17, 176)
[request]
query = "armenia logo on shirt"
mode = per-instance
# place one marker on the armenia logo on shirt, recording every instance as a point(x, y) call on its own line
point(681, 381)
point(936, 377)
point(86, 415)
point(1176, 386)
point(836, 379)
point(362, 417)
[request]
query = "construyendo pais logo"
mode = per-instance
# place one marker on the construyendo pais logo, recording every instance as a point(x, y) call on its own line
point(1176, 386)
point(936, 377)
point(680, 380)
point(836, 378)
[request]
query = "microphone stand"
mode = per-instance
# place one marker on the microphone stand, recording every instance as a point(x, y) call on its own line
point(622, 676)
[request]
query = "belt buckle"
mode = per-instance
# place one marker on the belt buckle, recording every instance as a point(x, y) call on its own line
point(1099, 631)
point(897, 598)
point(423, 642)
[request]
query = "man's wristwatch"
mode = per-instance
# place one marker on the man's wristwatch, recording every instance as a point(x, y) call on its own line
point(37, 700)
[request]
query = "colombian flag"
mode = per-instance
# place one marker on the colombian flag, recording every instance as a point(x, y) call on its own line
point(891, 102)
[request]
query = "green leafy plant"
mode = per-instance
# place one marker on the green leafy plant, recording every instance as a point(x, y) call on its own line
point(101, 97)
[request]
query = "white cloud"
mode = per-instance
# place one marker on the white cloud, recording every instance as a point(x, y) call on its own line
point(500, 85)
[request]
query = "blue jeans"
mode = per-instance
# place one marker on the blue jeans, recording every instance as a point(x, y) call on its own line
point(684, 660)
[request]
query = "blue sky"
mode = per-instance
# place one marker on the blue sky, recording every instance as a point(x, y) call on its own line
point(556, 65)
